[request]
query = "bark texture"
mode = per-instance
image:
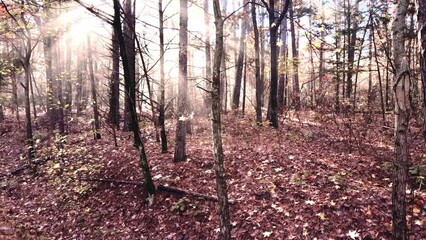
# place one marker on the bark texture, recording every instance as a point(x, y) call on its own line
point(402, 114)
point(180, 147)
point(225, 224)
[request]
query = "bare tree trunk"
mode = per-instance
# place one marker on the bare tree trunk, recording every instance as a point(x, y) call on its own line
point(240, 64)
point(162, 102)
point(295, 55)
point(81, 69)
point(421, 18)
point(337, 18)
point(225, 221)
point(59, 106)
point(149, 184)
point(114, 98)
point(47, 47)
point(352, 30)
point(283, 65)
point(180, 147)
point(130, 87)
point(68, 88)
point(259, 82)
point(402, 111)
point(97, 133)
point(207, 100)
point(379, 76)
point(15, 97)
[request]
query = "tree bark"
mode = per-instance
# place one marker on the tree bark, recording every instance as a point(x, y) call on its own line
point(114, 97)
point(402, 111)
point(207, 47)
point(283, 66)
point(162, 102)
point(274, 23)
point(225, 222)
point(421, 18)
point(143, 161)
point(295, 55)
point(239, 65)
point(180, 147)
point(130, 87)
point(259, 82)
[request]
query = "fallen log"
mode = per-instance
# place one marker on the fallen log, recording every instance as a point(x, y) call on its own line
point(186, 192)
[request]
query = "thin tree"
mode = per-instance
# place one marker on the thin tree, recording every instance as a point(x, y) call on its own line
point(180, 146)
point(162, 102)
point(295, 56)
point(240, 64)
point(225, 222)
point(114, 93)
point(259, 82)
point(402, 115)
point(421, 18)
point(97, 133)
point(274, 23)
point(149, 184)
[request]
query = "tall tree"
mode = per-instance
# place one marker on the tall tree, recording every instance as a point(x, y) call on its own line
point(130, 86)
point(352, 30)
point(402, 115)
point(274, 23)
point(225, 222)
point(295, 56)
point(162, 102)
point(114, 92)
point(421, 18)
point(180, 147)
point(149, 184)
point(240, 63)
point(259, 82)
point(208, 51)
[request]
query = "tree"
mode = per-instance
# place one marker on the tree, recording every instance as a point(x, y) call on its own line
point(274, 23)
point(259, 82)
point(162, 105)
point(130, 86)
point(295, 55)
point(402, 115)
point(180, 146)
point(240, 64)
point(97, 132)
point(225, 222)
point(149, 184)
point(114, 94)
point(421, 18)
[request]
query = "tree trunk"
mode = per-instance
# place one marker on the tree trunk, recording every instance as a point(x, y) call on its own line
point(47, 48)
point(421, 18)
point(15, 97)
point(225, 222)
point(68, 88)
point(239, 65)
point(207, 100)
point(97, 133)
point(114, 97)
point(295, 55)
point(283, 65)
point(259, 82)
point(402, 111)
point(352, 30)
point(58, 76)
point(162, 102)
point(130, 87)
point(149, 184)
point(81, 69)
point(338, 64)
point(180, 147)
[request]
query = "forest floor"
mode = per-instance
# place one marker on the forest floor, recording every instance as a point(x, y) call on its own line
point(318, 176)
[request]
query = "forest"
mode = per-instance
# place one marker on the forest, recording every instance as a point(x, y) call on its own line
point(213, 119)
